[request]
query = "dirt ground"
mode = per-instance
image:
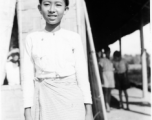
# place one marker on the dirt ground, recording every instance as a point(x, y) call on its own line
point(140, 108)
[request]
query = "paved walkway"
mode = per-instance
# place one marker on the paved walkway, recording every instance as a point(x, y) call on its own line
point(140, 109)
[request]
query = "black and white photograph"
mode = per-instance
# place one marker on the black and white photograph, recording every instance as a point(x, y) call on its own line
point(75, 59)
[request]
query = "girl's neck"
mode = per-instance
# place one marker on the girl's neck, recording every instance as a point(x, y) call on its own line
point(52, 28)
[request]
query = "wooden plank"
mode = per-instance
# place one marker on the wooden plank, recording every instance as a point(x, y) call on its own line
point(101, 104)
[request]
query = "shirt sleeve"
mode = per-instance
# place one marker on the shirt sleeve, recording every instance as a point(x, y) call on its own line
point(27, 74)
point(82, 72)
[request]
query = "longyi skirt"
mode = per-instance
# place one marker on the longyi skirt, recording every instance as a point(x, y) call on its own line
point(59, 99)
point(108, 79)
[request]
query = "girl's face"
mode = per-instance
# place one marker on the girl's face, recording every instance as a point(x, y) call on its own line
point(52, 10)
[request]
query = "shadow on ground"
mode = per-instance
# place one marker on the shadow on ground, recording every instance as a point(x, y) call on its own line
point(144, 104)
point(139, 112)
point(115, 104)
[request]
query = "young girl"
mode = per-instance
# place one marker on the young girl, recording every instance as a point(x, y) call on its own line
point(54, 70)
point(107, 74)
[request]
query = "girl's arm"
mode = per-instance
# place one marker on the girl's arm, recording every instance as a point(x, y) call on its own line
point(27, 113)
point(89, 114)
point(82, 77)
point(81, 70)
point(27, 71)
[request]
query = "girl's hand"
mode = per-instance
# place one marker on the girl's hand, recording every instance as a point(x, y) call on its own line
point(28, 118)
point(27, 114)
point(89, 117)
point(89, 114)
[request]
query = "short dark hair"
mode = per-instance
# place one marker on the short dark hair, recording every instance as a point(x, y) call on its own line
point(66, 2)
point(116, 54)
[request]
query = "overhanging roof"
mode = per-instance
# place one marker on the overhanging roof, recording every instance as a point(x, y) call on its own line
point(111, 19)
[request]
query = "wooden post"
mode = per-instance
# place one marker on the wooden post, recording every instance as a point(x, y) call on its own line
point(120, 46)
point(93, 53)
point(151, 33)
point(143, 59)
point(120, 42)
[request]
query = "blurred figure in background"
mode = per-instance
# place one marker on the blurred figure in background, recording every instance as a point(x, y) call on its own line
point(121, 76)
point(99, 57)
point(12, 68)
point(107, 76)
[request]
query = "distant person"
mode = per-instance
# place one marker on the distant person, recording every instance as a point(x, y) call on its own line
point(100, 56)
point(12, 69)
point(107, 77)
point(121, 75)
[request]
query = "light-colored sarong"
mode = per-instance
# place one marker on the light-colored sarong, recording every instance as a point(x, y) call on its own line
point(108, 79)
point(58, 99)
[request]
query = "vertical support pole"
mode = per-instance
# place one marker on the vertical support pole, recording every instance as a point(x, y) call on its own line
point(120, 46)
point(120, 42)
point(143, 59)
point(93, 53)
point(151, 34)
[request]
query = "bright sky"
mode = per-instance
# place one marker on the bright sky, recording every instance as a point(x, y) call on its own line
point(131, 43)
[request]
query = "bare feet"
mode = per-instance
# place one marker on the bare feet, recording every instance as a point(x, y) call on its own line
point(107, 107)
point(121, 106)
point(127, 108)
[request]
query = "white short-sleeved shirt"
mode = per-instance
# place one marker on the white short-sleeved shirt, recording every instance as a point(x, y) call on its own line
point(61, 53)
point(106, 64)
